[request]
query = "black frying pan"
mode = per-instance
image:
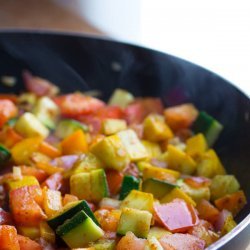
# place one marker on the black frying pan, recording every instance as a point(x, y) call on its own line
point(76, 62)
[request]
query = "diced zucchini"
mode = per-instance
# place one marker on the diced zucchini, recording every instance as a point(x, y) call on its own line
point(177, 193)
point(157, 187)
point(29, 126)
point(210, 165)
point(46, 111)
point(198, 193)
point(104, 245)
point(133, 145)
point(155, 128)
point(111, 152)
point(157, 232)
point(196, 146)
point(121, 98)
point(4, 155)
point(153, 244)
point(136, 221)
point(26, 101)
point(159, 173)
point(153, 149)
point(222, 185)
point(129, 183)
point(79, 231)
point(24, 181)
point(113, 126)
point(47, 232)
point(139, 200)
point(69, 212)
point(90, 186)
point(208, 126)
point(180, 161)
point(52, 202)
point(68, 126)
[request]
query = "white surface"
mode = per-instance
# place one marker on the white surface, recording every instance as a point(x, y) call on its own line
point(214, 34)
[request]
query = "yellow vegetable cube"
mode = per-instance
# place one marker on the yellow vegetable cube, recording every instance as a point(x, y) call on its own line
point(47, 233)
point(29, 126)
point(24, 181)
point(155, 128)
point(139, 200)
point(113, 126)
point(52, 202)
point(196, 146)
point(121, 98)
point(177, 193)
point(150, 171)
point(133, 145)
point(210, 165)
point(179, 160)
point(153, 149)
point(80, 185)
point(111, 152)
point(31, 232)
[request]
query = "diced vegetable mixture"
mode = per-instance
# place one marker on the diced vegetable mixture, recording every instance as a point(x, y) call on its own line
point(78, 173)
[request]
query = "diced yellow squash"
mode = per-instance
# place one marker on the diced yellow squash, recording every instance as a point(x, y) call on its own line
point(153, 244)
point(133, 145)
point(177, 193)
point(196, 146)
point(150, 171)
point(121, 98)
point(155, 128)
point(31, 232)
point(157, 232)
point(111, 152)
point(80, 185)
point(113, 126)
point(198, 193)
point(52, 202)
point(49, 169)
point(135, 221)
point(24, 181)
point(47, 233)
point(180, 161)
point(222, 185)
point(229, 225)
point(139, 200)
point(153, 149)
point(210, 165)
point(23, 150)
point(29, 126)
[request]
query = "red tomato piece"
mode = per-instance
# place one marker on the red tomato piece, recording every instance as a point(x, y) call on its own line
point(9, 137)
point(24, 205)
point(181, 241)
point(113, 112)
point(5, 218)
point(176, 216)
point(114, 179)
point(54, 182)
point(134, 113)
point(131, 242)
point(32, 171)
point(26, 243)
point(8, 238)
point(8, 110)
point(75, 105)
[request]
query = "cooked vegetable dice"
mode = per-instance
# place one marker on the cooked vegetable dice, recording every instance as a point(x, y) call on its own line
point(113, 126)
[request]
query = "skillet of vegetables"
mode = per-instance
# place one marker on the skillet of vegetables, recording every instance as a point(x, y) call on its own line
point(127, 174)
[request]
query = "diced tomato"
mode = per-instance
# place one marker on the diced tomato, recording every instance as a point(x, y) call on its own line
point(9, 137)
point(207, 211)
point(179, 241)
point(113, 112)
point(131, 242)
point(32, 171)
point(54, 182)
point(181, 116)
point(8, 238)
point(5, 218)
point(24, 206)
point(176, 216)
point(26, 243)
point(140, 108)
point(74, 105)
point(68, 198)
point(39, 86)
point(8, 110)
point(114, 179)
point(49, 150)
point(197, 181)
point(10, 97)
